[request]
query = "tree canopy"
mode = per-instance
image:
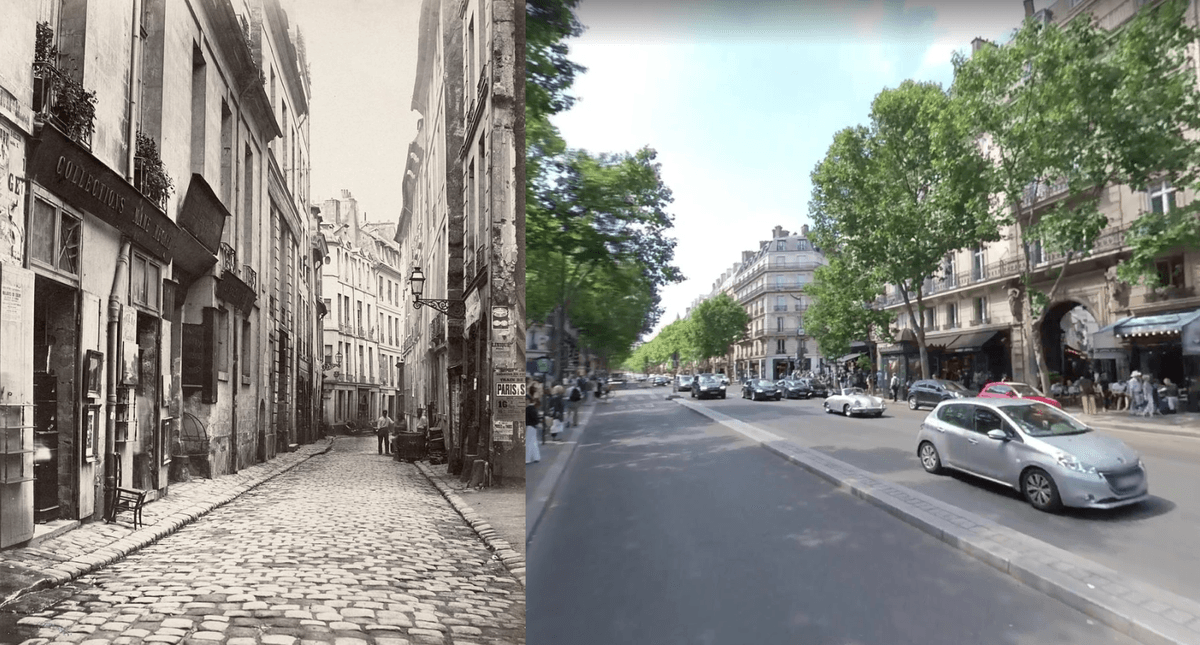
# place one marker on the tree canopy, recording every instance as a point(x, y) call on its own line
point(716, 324)
point(839, 313)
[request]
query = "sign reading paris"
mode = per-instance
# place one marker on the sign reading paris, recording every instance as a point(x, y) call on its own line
point(510, 389)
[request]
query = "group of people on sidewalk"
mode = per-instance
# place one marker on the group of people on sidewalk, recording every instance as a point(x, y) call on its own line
point(387, 430)
point(562, 411)
point(1143, 395)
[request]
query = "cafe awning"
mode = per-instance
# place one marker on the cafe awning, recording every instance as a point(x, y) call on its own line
point(1156, 325)
point(971, 342)
point(1105, 343)
point(849, 357)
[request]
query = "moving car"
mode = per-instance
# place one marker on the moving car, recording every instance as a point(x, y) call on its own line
point(659, 380)
point(683, 382)
point(793, 389)
point(1047, 455)
point(708, 385)
point(1010, 390)
point(812, 387)
point(854, 400)
point(932, 391)
point(760, 388)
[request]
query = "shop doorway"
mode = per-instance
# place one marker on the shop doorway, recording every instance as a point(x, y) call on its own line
point(148, 458)
point(55, 351)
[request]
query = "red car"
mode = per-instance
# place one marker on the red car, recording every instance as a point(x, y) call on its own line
point(1009, 390)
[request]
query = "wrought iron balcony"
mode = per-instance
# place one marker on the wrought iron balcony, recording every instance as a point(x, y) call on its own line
point(1040, 191)
point(229, 259)
point(62, 101)
point(250, 277)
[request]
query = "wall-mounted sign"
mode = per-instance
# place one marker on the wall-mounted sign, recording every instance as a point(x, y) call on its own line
point(500, 318)
point(508, 404)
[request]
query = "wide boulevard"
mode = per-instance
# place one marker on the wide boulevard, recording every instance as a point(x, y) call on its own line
point(668, 527)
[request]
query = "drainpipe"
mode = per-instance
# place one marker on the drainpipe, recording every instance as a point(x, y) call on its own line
point(135, 84)
point(115, 302)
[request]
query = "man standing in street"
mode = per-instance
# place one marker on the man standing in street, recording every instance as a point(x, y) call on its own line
point(1087, 392)
point(895, 386)
point(383, 428)
point(573, 401)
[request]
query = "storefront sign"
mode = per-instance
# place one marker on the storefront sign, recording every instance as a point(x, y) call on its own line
point(86, 183)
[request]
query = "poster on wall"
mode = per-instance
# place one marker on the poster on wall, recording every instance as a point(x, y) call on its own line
point(130, 362)
point(12, 201)
point(504, 431)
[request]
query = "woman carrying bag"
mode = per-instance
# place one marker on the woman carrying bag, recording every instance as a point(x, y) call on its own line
point(557, 411)
point(532, 453)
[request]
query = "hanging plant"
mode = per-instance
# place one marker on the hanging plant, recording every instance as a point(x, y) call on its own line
point(45, 51)
point(75, 108)
point(154, 182)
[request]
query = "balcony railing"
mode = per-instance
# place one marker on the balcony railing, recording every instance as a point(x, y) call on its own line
point(250, 277)
point(1040, 191)
point(228, 259)
point(977, 321)
point(149, 175)
point(781, 307)
point(64, 102)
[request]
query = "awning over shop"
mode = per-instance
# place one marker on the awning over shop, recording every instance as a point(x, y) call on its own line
point(1159, 324)
point(849, 357)
point(1105, 343)
point(971, 342)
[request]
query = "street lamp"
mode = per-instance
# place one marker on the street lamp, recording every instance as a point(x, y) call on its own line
point(454, 309)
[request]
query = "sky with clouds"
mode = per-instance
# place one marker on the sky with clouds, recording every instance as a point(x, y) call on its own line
point(741, 100)
point(362, 57)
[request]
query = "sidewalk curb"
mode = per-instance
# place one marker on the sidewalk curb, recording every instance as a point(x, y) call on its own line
point(500, 548)
point(69, 570)
point(1148, 614)
point(544, 493)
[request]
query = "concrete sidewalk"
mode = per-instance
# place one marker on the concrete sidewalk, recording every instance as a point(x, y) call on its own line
point(1186, 424)
point(73, 549)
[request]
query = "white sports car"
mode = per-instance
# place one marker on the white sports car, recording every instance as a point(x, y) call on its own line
point(853, 400)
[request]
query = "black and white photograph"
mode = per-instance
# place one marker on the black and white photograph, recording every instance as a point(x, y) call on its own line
point(262, 266)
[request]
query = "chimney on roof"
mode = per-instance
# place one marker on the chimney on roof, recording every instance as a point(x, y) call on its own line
point(779, 232)
point(1029, 8)
point(804, 230)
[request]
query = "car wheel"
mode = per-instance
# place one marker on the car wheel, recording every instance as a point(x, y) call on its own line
point(931, 461)
point(826, 406)
point(722, 395)
point(778, 397)
point(912, 403)
point(846, 409)
point(1040, 490)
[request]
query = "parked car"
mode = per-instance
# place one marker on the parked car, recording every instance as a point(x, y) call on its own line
point(1010, 390)
point(930, 392)
point(708, 385)
point(792, 389)
point(1051, 458)
point(854, 400)
point(812, 387)
point(760, 388)
point(724, 379)
point(683, 382)
point(659, 380)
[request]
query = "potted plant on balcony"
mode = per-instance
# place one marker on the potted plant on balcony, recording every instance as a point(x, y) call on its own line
point(59, 96)
point(150, 175)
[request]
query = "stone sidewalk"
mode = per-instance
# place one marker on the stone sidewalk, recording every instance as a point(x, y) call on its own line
point(1146, 613)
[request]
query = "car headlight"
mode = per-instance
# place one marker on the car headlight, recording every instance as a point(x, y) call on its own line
point(758, 389)
point(1070, 462)
point(722, 387)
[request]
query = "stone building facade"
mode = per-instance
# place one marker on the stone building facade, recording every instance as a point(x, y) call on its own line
point(462, 218)
point(139, 306)
point(1096, 324)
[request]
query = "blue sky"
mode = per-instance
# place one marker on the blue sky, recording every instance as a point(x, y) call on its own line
point(742, 100)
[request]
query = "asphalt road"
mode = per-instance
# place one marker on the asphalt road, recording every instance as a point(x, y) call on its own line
point(1154, 541)
point(348, 547)
point(669, 528)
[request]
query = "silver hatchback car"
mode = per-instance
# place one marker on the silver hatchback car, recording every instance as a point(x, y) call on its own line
point(1049, 456)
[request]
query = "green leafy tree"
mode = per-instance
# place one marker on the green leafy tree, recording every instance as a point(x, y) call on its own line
point(840, 312)
point(611, 314)
point(893, 199)
point(1077, 105)
point(716, 324)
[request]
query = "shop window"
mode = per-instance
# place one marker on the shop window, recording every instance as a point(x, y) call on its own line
point(223, 344)
point(145, 282)
point(54, 237)
point(248, 351)
point(1170, 272)
point(1162, 196)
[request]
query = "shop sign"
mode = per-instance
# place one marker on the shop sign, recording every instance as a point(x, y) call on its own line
point(85, 182)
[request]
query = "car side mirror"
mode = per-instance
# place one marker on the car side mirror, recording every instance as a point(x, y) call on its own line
point(998, 435)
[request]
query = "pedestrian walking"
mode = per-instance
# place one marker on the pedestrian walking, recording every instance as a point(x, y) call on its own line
point(1088, 391)
point(557, 411)
point(383, 430)
point(1149, 394)
point(1172, 395)
point(1133, 390)
point(573, 401)
point(895, 387)
point(533, 454)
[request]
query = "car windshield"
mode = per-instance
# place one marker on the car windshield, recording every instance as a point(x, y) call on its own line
point(685, 379)
point(762, 382)
point(955, 387)
point(1040, 420)
point(852, 390)
point(1025, 390)
point(710, 380)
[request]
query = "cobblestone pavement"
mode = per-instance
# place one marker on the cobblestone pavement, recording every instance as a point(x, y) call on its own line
point(348, 548)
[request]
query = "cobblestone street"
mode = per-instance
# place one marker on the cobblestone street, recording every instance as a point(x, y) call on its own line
point(350, 547)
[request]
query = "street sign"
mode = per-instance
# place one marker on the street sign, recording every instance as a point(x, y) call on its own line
point(543, 365)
